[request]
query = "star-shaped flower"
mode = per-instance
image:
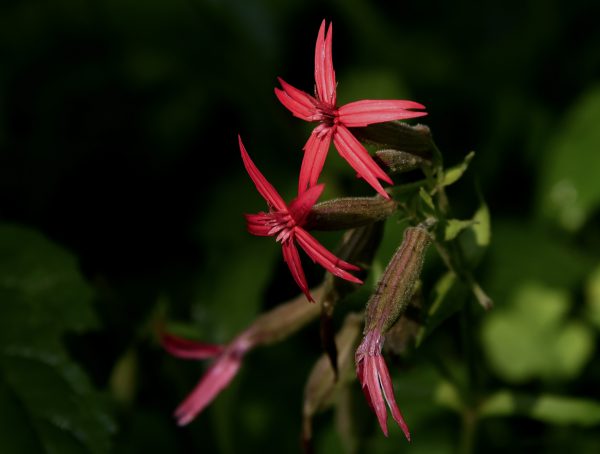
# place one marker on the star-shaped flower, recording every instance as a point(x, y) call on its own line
point(334, 121)
point(285, 223)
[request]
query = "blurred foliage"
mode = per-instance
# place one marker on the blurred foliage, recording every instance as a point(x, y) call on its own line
point(118, 159)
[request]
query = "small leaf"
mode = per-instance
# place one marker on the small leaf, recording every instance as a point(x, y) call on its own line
point(455, 226)
point(546, 408)
point(426, 198)
point(453, 174)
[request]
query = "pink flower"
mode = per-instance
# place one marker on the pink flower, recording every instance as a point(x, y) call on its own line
point(376, 383)
point(334, 121)
point(217, 377)
point(285, 222)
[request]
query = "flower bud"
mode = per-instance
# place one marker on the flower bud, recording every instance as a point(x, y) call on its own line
point(397, 284)
point(349, 212)
point(398, 161)
point(399, 136)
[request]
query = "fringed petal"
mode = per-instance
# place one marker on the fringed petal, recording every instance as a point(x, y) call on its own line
point(265, 188)
point(315, 152)
point(358, 157)
point(259, 224)
point(324, 73)
point(377, 400)
point(300, 103)
point(317, 252)
point(300, 207)
point(292, 258)
point(388, 392)
point(366, 112)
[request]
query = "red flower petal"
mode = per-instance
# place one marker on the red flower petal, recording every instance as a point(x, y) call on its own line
point(324, 73)
point(188, 349)
point(388, 391)
point(315, 152)
point(358, 157)
point(257, 224)
point(300, 103)
point(366, 112)
point(372, 379)
point(218, 376)
point(301, 205)
point(292, 258)
point(264, 187)
point(323, 257)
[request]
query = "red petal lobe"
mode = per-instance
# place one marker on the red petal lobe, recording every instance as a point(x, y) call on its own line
point(188, 349)
point(358, 157)
point(292, 258)
point(301, 205)
point(366, 112)
point(264, 187)
point(323, 257)
point(315, 152)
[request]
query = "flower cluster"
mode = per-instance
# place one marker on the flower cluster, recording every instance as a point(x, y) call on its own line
point(289, 223)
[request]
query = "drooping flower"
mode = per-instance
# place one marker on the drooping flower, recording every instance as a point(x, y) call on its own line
point(334, 121)
point(285, 223)
point(217, 377)
point(387, 303)
point(272, 326)
point(376, 383)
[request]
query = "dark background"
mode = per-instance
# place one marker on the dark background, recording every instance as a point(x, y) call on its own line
point(118, 131)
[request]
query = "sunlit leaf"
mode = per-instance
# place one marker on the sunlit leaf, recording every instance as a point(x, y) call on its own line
point(453, 174)
point(42, 297)
point(454, 227)
point(548, 408)
point(569, 189)
point(426, 198)
point(531, 336)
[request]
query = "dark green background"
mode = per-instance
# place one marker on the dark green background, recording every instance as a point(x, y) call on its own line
point(118, 130)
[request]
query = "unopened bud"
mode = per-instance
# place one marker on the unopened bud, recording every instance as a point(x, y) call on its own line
point(398, 161)
point(349, 212)
point(397, 284)
point(402, 335)
point(399, 136)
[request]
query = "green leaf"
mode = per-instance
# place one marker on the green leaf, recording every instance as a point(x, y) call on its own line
point(569, 190)
point(546, 408)
point(453, 174)
point(454, 227)
point(426, 198)
point(532, 338)
point(43, 297)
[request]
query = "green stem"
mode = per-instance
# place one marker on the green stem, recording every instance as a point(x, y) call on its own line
point(468, 432)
